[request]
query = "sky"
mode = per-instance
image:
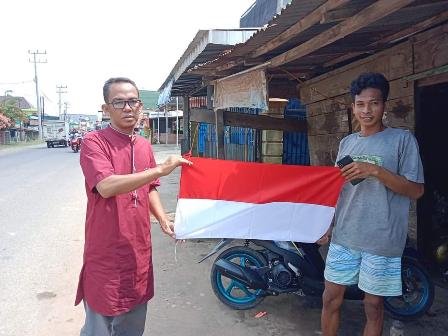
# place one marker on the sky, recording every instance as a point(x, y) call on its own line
point(89, 41)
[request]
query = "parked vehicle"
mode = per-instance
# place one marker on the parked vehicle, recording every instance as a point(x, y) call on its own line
point(55, 133)
point(242, 276)
point(75, 142)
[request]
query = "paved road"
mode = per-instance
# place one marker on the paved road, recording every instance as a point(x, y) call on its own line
point(42, 208)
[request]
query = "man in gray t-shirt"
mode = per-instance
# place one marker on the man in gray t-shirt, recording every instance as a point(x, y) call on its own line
point(370, 216)
point(371, 220)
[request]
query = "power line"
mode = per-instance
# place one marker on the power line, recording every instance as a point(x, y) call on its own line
point(42, 92)
point(35, 61)
point(17, 83)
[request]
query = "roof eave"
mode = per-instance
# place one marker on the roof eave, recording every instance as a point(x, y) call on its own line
point(199, 43)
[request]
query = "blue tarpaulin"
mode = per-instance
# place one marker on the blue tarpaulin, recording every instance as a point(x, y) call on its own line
point(165, 95)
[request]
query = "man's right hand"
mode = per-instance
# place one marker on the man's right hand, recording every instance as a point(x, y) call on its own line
point(171, 163)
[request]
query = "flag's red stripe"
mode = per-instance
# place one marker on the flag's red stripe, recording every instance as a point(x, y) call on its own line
point(260, 182)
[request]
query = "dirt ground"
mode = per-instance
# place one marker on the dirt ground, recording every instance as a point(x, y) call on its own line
point(41, 256)
point(184, 302)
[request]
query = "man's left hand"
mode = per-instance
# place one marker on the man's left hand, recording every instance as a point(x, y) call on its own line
point(325, 239)
point(167, 227)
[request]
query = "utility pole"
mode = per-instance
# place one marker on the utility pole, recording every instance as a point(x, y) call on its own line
point(42, 105)
point(60, 92)
point(166, 126)
point(177, 122)
point(66, 105)
point(35, 61)
point(158, 127)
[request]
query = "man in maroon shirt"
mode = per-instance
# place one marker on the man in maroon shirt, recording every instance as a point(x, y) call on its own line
point(121, 177)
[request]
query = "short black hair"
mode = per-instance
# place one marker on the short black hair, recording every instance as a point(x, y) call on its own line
point(367, 80)
point(114, 80)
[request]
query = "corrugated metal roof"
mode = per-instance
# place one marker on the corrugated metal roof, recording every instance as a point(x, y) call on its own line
point(205, 59)
point(20, 102)
point(367, 39)
point(149, 99)
point(291, 14)
point(206, 45)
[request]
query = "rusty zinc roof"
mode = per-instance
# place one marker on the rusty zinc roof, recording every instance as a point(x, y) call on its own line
point(374, 36)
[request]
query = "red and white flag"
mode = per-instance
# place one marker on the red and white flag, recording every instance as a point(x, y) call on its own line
point(246, 200)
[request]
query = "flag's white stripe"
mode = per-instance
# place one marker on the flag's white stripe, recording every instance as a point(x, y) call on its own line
point(284, 221)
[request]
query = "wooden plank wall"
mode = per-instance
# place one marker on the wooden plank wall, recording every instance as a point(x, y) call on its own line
point(431, 49)
point(328, 100)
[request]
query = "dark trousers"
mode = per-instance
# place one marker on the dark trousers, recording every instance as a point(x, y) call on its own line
point(131, 323)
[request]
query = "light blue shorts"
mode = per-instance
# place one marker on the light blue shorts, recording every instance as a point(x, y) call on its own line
point(377, 275)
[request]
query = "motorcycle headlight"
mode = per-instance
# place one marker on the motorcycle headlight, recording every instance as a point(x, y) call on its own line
point(441, 253)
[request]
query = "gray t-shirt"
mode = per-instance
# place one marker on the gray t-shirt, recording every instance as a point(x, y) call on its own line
point(369, 216)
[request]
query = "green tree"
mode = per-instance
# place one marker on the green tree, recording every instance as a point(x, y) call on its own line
point(4, 121)
point(10, 110)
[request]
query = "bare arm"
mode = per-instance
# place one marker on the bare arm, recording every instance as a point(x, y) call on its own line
point(120, 184)
point(157, 210)
point(400, 184)
point(394, 182)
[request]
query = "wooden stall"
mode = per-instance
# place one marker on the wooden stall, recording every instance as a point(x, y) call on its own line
point(418, 73)
point(313, 49)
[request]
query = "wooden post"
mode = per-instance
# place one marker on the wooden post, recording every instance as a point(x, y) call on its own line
point(272, 140)
point(185, 148)
point(209, 96)
point(219, 127)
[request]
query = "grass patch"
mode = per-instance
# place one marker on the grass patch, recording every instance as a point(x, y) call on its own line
point(19, 144)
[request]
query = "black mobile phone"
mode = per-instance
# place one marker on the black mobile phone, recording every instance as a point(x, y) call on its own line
point(345, 161)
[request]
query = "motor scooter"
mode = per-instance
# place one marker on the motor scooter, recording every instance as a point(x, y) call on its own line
point(75, 143)
point(243, 276)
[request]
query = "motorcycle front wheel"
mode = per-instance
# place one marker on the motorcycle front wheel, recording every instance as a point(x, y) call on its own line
point(418, 292)
point(232, 292)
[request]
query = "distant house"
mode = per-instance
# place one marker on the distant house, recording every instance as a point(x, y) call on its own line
point(18, 130)
point(149, 99)
point(20, 102)
point(83, 122)
point(161, 122)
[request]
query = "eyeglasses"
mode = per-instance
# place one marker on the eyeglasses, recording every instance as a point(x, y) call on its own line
point(120, 104)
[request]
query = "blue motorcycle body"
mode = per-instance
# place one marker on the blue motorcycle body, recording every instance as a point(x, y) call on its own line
point(242, 276)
